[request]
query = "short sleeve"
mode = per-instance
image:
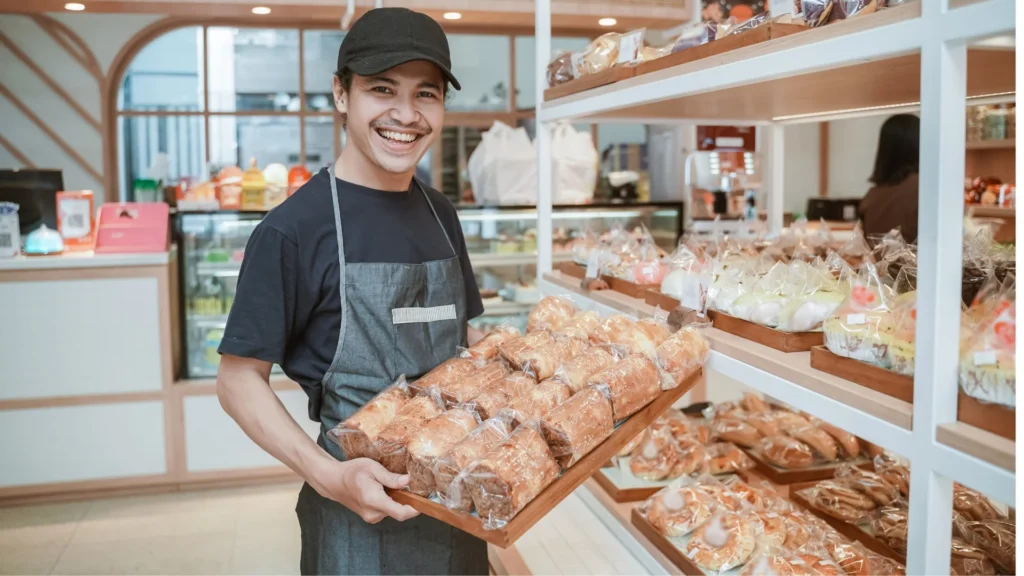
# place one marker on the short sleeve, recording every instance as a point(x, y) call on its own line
point(474, 305)
point(263, 313)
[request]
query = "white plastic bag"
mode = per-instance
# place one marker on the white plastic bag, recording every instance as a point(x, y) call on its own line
point(574, 165)
point(503, 168)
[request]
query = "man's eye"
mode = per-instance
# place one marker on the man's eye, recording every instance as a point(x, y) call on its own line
point(382, 89)
point(427, 95)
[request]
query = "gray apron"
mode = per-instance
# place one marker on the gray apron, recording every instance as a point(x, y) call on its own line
point(395, 319)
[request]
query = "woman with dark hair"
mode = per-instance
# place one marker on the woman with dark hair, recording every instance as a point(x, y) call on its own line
point(892, 202)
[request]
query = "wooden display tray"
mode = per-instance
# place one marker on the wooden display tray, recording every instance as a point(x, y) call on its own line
point(562, 486)
point(639, 493)
point(851, 531)
point(878, 379)
point(654, 297)
point(572, 269)
point(602, 78)
point(729, 43)
point(993, 418)
point(770, 337)
point(616, 284)
point(664, 545)
point(784, 476)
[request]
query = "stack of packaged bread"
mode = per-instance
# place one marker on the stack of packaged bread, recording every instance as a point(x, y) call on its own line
point(492, 427)
point(733, 526)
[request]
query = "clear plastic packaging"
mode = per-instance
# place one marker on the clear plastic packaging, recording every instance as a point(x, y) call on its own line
point(852, 557)
point(487, 347)
point(759, 498)
point(356, 435)
point(973, 505)
point(538, 401)
point(861, 328)
point(622, 331)
point(684, 352)
point(848, 443)
point(550, 313)
point(726, 541)
point(511, 475)
point(997, 538)
point(500, 394)
point(840, 501)
point(580, 325)
point(656, 457)
point(689, 278)
point(576, 371)
point(511, 351)
point(869, 483)
point(542, 361)
point(890, 526)
point(575, 427)
point(968, 560)
point(560, 69)
point(691, 458)
point(694, 34)
point(786, 452)
point(988, 368)
point(656, 329)
point(893, 472)
point(774, 560)
point(434, 439)
point(736, 431)
point(754, 404)
point(391, 443)
point(677, 509)
point(765, 423)
point(444, 374)
point(470, 386)
point(600, 55)
point(824, 446)
point(632, 383)
point(451, 468)
point(726, 458)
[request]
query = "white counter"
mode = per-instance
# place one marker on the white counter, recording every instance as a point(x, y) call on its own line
point(83, 260)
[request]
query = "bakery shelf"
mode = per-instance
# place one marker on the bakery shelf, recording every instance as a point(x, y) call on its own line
point(507, 309)
point(992, 144)
point(513, 258)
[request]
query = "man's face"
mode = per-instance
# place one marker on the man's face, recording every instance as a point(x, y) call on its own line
point(394, 117)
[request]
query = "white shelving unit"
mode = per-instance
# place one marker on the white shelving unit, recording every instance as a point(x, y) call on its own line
point(913, 56)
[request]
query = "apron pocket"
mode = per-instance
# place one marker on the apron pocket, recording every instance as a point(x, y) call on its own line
point(423, 315)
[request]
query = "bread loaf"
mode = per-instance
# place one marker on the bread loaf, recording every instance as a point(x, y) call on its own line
point(575, 372)
point(470, 386)
point(357, 434)
point(580, 325)
point(392, 441)
point(511, 351)
point(447, 372)
point(550, 314)
point(432, 440)
point(501, 393)
point(622, 331)
point(632, 383)
point(576, 426)
point(538, 401)
point(683, 353)
point(542, 361)
point(786, 452)
point(487, 347)
point(451, 468)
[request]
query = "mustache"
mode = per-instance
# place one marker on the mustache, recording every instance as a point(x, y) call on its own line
point(415, 126)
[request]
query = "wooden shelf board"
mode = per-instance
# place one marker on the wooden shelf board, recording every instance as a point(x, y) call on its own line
point(992, 144)
point(983, 445)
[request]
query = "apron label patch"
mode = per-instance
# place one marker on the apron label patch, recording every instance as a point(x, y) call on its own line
point(420, 315)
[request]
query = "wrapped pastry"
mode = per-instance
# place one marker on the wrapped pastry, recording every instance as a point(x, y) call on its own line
point(839, 501)
point(769, 527)
point(853, 558)
point(691, 458)
point(580, 325)
point(656, 456)
point(849, 443)
point(685, 428)
point(434, 439)
point(444, 374)
point(512, 350)
point(550, 313)
point(560, 69)
point(622, 331)
point(511, 475)
point(724, 542)
point(632, 383)
point(894, 473)
point(357, 434)
point(600, 55)
point(451, 468)
point(576, 371)
point(630, 446)
point(542, 361)
point(823, 444)
point(967, 560)
point(790, 422)
point(890, 526)
point(820, 564)
point(765, 424)
point(997, 538)
point(655, 330)
point(577, 426)
point(391, 443)
point(758, 498)
point(869, 483)
point(798, 532)
point(775, 561)
point(737, 432)
point(754, 404)
point(538, 401)
point(487, 347)
point(884, 566)
point(726, 458)
point(684, 352)
point(973, 505)
point(988, 368)
point(675, 511)
point(786, 452)
point(723, 497)
point(470, 386)
point(500, 394)
point(861, 327)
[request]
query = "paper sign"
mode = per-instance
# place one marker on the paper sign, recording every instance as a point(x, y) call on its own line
point(629, 46)
point(593, 266)
point(856, 319)
point(985, 358)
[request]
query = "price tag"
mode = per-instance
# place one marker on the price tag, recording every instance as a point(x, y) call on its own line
point(593, 264)
point(856, 319)
point(985, 358)
point(629, 46)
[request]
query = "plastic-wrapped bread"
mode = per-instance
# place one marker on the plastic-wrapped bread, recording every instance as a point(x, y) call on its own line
point(869, 483)
point(575, 427)
point(538, 401)
point(724, 542)
point(357, 434)
point(848, 442)
point(675, 511)
point(840, 501)
point(632, 384)
point(542, 361)
point(511, 475)
point(392, 441)
point(656, 458)
point(433, 440)
point(512, 350)
point(444, 374)
point(487, 347)
point(657, 331)
point(450, 469)
point(786, 452)
point(500, 394)
point(581, 325)
point(622, 331)
point(575, 372)
point(726, 458)
point(550, 314)
point(684, 353)
point(823, 444)
point(998, 538)
point(736, 431)
point(470, 386)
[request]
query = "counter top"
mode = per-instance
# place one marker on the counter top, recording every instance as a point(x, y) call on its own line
point(84, 260)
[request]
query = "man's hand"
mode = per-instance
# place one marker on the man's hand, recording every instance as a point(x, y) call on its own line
point(359, 486)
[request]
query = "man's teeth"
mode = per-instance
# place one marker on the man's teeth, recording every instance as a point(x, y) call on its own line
point(397, 136)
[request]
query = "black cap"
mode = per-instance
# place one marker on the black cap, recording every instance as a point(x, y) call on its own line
point(387, 37)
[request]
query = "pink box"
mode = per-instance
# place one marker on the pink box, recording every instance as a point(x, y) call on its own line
point(132, 227)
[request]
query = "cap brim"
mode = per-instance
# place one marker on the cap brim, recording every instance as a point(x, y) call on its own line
point(379, 63)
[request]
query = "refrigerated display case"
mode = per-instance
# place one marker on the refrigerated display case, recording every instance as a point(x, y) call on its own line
point(501, 241)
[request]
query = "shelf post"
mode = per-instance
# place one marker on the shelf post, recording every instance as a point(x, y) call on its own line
point(776, 136)
point(542, 141)
point(940, 254)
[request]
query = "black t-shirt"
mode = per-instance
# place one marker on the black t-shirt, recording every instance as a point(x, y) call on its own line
point(287, 307)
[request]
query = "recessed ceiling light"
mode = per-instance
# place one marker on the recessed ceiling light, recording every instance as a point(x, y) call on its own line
point(74, 6)
point(452, 15)
point(607, 21)
point(261, 10)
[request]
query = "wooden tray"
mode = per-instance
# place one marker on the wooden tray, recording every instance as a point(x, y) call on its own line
point(777, 475)
point(654, 297)
point(851, 531)
point(673, 553)
point(757, 35)
point(606, 478)
point(560, 488)
point(602, 78)
point(999, 420)
point(572, 269)
point(878, 379)
point(770, 337)
point(617, 284)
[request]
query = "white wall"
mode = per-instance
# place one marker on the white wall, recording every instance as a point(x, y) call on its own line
point(851, 155)
point(803, 166)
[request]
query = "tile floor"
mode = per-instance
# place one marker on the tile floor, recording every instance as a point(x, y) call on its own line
point(237, 531)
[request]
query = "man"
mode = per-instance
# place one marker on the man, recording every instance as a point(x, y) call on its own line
point(359, 277)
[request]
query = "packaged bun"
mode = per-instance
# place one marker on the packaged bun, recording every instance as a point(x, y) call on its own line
point(444, 374)
point(675, 511)
point(684, 352)
point(840, 501)
point(786, 452)
point(560, 69)
point(765, 424)
point(600, 55)
point(692, 457)
point(542, 361)
point(487, 347)
point(576, 371)
point(550, 314)
point(357, 434)
point(973, 505)
point(538, 401)
point(822, 444)
point(754, 404)
point(890, 526)
point(433, 440)
point(724, 542)
point(450, 469)
point(622, 331)
point(501, 393)
point(737, 432)
point(580, 325)
point(632, 383)
point(511, 475)
point(726, 458)
point(896, 474)
point(512, 351)
point(869, 483)
point(577, 426)
point(657, 331)
point(470, 386)
point(967, 560)
point(391, 443)
point(997, 538)
point(849, 443)
point(655, 458)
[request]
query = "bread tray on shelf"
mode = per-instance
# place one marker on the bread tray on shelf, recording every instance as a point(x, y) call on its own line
point(602, 78)
point(623, 486)
point(786, 476)
point(666, 547)
point(619, 285)
point(851, 531)
point(777, 339)
point(562, 486)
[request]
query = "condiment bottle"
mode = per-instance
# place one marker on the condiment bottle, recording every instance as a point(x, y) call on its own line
point(254, 188)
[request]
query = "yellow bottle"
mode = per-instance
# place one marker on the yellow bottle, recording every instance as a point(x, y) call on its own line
point(253, 188)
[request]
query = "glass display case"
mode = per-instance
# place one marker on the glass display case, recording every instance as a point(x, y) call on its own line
point(502, 243)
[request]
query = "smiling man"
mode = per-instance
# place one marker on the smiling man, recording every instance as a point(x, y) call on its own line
point(359, 277)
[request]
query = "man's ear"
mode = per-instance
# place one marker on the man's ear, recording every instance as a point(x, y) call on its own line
point(340, 97)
